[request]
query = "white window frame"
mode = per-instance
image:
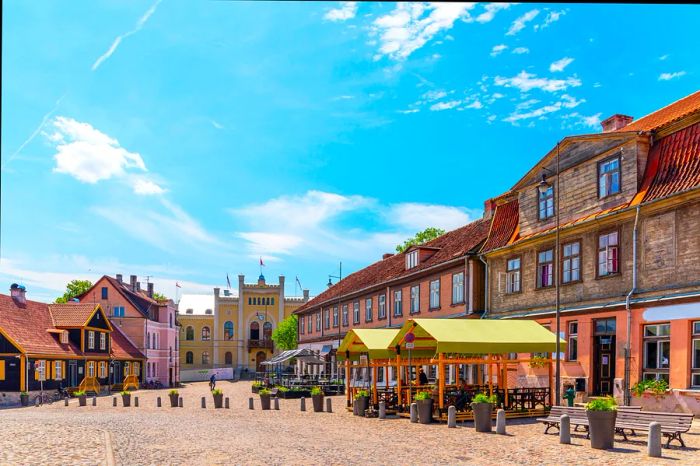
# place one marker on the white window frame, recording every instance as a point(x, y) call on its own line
point(318, 321)
point(513, 275)
point(545, 204)
point(604, 254)
point(91, 339)
point(435, 294)
point(336, 322)
point(458, 288)
point(345, 315)
point(58, 370)
point(368, 310)
point(381, 306)
point(415, 299)
point(327, 318)
point(695, 348)
point(547, 263)
point(103, 341)
point(657, 372)
point(398, 303)
point(356, 312)
point(411, 259)
point(91, 369)
point(573, 337)
point(567, 262)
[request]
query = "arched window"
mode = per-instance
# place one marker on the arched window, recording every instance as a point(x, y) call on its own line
point(254, 330)
point(189, 333)
point(206, 334)
point(267, 331)
point(228, 357)
point(189, 358)
point(205, 358)
point(228, 330)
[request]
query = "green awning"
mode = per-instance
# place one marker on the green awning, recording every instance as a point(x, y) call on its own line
point(477, 336)
point(371, 341)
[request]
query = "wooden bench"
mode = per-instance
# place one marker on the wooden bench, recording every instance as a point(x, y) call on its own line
point(577, 416)
point(672, 424)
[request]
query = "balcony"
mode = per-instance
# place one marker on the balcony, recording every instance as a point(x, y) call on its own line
point(265, 344)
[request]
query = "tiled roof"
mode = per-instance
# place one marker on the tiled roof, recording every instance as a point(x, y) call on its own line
point(28, 326)
point(122, 347)
point(139, 300)
point(504, 225)
point(673, 164)
point(71, 314)
point(666, 115)
point(452, 245)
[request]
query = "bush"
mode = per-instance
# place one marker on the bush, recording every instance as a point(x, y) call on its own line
point(173, 392)
point(24, 393)
point(657, 387)
point(602, 404)
point(264, 391)
point(125, 392)
point(316, 391)
point(217, 391)
point(79, 393)
point(483, 398)
point(257, 384)
point(423, 396)
point(361, 393)
point(281, 389)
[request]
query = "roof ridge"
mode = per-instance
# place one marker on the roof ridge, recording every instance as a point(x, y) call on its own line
point(664, 107)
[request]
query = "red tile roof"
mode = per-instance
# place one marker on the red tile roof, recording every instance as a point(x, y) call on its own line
point(139, 299)
point(504, 225)
point(71, 314)
point(452, 245)
point(122, 348)
point(666, 115)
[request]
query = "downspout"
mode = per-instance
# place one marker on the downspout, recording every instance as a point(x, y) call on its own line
point(486, 286)
point(628, 370)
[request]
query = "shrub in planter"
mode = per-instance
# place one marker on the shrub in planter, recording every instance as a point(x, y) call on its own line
point(264, 398)
point(602, 413)
point(482, 406)
point(24, 398)
point(317, 398)
point(424, 401)
point(218, 398)
point(655, 388)
point(173, 395)
point(126, 398)
point(362, 401)
point(256, 386)
point(81, 396)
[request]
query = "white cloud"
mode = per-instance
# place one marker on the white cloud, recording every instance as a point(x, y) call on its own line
point(434, 95)
point(566, 101)
point(410, 110)
point(139, 25)
point(147, 187)
point(411, 25)
point(559, 65)
point(417, 216)
point(497, 49)
point(476, 105)
point(521, 50)
point(445, 105)
point(591, 121)
point(519, 24)
point(261, 243)
point(525, 82)
point(552, 17)
point(670, 76)
point(490, 10)
point(347, 11)
point(663, 57)
point(216, 124)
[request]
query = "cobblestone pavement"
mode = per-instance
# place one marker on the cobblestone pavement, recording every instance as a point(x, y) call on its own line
point(148, 435)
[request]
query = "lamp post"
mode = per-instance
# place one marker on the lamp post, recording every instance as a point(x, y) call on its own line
point(330, 283)
point(542, 188)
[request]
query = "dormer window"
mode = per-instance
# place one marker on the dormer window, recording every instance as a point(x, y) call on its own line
point(64, 337)
point(411, 259)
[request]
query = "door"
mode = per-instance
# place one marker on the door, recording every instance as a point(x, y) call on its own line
point(118, 375)
point(259, 359)
point(604, 357)
point(73, 373)
point(170, 377)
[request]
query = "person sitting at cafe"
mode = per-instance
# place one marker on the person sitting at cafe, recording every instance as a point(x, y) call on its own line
point(463, 397)
point(422, 378)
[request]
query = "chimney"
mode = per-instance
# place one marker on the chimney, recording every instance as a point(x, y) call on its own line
point(138, 286)
point(18, 293)
point(217, 291)
point(132, 282)
point(306, 296)
point(615, 122)
point(119, 278)
point(387, 255)
point(150, 290)
point(489, 207)
point(227, 292)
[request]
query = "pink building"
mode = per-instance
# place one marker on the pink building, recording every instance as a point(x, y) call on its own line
point(149, 324)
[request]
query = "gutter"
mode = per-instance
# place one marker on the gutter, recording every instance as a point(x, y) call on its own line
point(626, 386)
point(486, 286)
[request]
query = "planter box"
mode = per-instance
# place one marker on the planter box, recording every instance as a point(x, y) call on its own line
point(425, 411)
point(82, 400)
point(293, 394)
point(318, 403)
point(218, 401)
point(265, 402)
point(173, 400)
point(482, 416)
point(362, 405)
point(126, 400)
point(601, 425)
point(24, 400)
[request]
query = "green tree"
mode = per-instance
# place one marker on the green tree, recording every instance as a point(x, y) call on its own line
point(285, 335)
point(159, 297)
point(421, 237)
point(73, 289)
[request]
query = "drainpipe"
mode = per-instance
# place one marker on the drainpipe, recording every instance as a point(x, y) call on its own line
point(629, 311)
point(486, 286)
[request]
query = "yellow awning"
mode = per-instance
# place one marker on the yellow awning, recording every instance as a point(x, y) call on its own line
point(371, 341)
point(477, 336)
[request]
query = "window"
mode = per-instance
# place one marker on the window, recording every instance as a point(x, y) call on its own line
point(102, 370)
point(91, 340)
point(189, 357)
point(205, 357)
point(58, 370)
point(546, 203)
point(327, 319)
point(398, 306)
point(310, 324)
point(657, 351)
point(415, 299)
point(189, 333)
point(267, 331)
point(103, 341)
point(228, 330)
point(573, 341)
point(272, 301)
point(206, 334)
point(571, 262)
point(335, 316)
point(609, 177)
point(368, 310)
point(381, 307)
point(64, 337)
point(695, 375)
point(435, 294)
point(301, 325)
point(148, 341)
point(171, 320)
point(118, 311)
point(250, 301)
point(91, 369)
point(228, 358)
point(318, 321)
point(104, 292)
point(411, 259)
point(356, 312)
point(608, 254)
point(545, 268)
point(458, 288)
point(513, 275)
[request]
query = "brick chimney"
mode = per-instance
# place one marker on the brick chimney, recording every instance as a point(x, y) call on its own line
point(150, 290)
point(387, 255)
point(489, 207)
point(138, 286)
point(18, 293)
point(132, 282)
point(119, 278)
point(616, 122)
point(306, 296)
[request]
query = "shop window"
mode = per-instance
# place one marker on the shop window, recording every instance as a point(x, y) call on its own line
point(573, 341)
point(695, 374)
point(657, 351)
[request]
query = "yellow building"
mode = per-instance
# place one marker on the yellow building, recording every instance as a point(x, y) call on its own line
point(229, 333)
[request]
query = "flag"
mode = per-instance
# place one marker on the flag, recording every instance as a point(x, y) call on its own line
point(262, 264)
point(228, 281)
point(177, 285)
point(298, 282)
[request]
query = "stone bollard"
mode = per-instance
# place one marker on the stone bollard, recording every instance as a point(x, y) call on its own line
point(65, 402)
point(382, 410)
point(414, 412)
point(501, 422)
point(654, 440)
point(136, 402)
point(250, 403)
point(94, 401)
point(303, 404)
point(179, 402)
point(36, 403)
point(204, 402)
point(565, 429)
point(158, 402)
point(451, 417)
point(329, 405)
point(277, 404)
point(114, 401)
point(226, 403)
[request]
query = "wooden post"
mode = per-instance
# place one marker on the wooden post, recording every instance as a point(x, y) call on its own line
point(551, 395)
point(441, 380)
point(399, 375)
point(374, 384)
point(505, 384)
point(347, 381)
point(488, 372)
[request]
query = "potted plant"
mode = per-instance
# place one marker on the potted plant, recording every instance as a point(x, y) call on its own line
point(647, 388)
point(317, 398)
point(126, 398)
point(218, 398)
point(81, 396)
point(173, 395)
point(602, 413)
point(482, 406)
point(24, 398)
point(256, 386)
point(424, 401)
point(361, 402)
point(264, 398)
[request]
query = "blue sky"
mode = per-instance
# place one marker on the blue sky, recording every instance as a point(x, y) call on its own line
point(184, 141)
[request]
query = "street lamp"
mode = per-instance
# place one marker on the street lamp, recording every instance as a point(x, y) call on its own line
point(330, 283)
